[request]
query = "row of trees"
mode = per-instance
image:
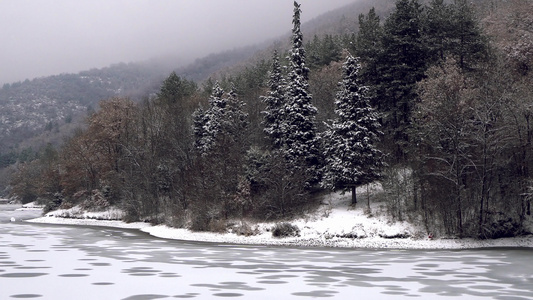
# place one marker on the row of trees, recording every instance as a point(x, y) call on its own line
point(167, 161)
point(430, 107)
point(397, 54)
point(456, 115)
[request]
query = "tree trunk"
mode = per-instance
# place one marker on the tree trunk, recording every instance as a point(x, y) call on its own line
point(368, 197)
point(354, 196)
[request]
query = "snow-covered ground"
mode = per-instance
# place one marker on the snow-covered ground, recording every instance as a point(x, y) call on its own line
point(31, 206)
point(335, 224)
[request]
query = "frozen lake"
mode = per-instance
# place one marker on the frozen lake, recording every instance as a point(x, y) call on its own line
point(39, 261)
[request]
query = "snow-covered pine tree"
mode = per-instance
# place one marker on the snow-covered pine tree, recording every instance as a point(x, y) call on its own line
point(221, 140)
point(206, 123)
point(301, 142)
point(352, 158)
point(198, 122)
point(235, 122)
point(275, 101)
point(222, 125)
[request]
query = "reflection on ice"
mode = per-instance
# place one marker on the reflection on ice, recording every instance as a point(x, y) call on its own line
point(26, 296)
point(22, 275)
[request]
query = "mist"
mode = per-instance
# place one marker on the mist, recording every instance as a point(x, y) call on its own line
point(47, 37)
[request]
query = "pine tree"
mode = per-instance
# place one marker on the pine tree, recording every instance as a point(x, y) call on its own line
point(207, 123)
point(402, 63)
point(352, 158)
point(301, 142)
point(323, 51)
point(275, 101)
point(235, 123)
point(452, 30)
point(438, 26)
point(170, 112)
point(174, 89)
point(368, 45)
point(222, 125)
point(468, 42)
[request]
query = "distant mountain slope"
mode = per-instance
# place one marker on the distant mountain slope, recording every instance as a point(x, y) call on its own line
point(204, 67)
point(27, 108)
point(345, 20)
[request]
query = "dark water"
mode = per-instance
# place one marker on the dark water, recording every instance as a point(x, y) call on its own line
point(74, 262)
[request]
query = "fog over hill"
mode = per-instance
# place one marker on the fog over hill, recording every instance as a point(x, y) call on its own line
point(41, 38)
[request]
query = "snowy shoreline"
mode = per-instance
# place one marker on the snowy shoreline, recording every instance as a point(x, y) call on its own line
point(335, 225)
point(162, 231)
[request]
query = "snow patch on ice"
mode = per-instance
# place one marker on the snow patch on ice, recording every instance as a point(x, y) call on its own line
point(31, 206)
point(76, 212)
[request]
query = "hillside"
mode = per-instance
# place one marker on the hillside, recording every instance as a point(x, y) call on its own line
point(35, 106)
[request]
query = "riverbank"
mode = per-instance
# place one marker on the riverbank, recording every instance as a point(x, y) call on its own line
point(335, 224)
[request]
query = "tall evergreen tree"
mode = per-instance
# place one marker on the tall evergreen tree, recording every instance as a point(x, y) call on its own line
point(438, 26)
point(275, 101)
point(170, 112)
point(313, 52)
point(352, 158)
point(401, 64)
point(469, 45)
point(301, 143)
point(368, 45)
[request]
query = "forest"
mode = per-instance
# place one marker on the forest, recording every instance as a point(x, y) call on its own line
point(433, 101)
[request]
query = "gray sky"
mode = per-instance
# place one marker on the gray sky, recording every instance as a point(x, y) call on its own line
point(47, 37)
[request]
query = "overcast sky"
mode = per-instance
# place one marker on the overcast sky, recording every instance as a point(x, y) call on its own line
point(47, 37)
